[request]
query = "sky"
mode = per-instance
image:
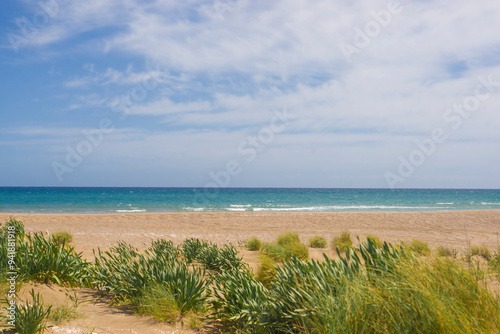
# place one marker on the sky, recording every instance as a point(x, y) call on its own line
point(240, 93)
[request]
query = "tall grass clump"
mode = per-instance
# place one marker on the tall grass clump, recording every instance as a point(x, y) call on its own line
point(156, 281)
point(437, 296)
point(443, 251)
point(61, 237)
point(342, 241)
point(317, 242)
point(480, 251)
point(253, 244)
point(418, 247)
point(286, 246)
point(38, 258)
point(266, 270)
point(31, 317)
point(210, 255)
point(375, 239)
point(241, 303)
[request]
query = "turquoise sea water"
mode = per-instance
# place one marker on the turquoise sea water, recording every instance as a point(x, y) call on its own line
point(130, 200)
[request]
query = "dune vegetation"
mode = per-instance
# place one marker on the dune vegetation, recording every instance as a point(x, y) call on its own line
point(371, 288)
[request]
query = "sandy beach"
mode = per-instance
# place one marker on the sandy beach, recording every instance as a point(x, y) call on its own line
point(450, 228)
point(454, 229)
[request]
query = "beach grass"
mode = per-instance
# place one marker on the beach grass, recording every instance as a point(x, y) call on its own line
point(480, 251)
point(342, 241)
point(61, 237)
point(318, 242)
point(443, 251)
point(419, 247)
point(253, 244)
point(375, 239)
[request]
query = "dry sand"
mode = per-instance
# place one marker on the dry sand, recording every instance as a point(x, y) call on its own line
point(454, 229)
point(450, 228)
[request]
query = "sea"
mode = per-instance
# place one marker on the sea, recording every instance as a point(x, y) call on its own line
point(136, 200)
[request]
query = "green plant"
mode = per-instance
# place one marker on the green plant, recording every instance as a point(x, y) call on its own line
point(37, 258)
point(240, 302)
point(32, 317)
point(436, 296)
point(211, 256)
point(286, 246)
point(418, 247)
point(128, 275)
point(342, 241)
point(318, 242)
point(61, 238)
point(191, 248)
point(443, 251)
point(62, 313)
point(480, 251)
point(158, 301)
point(253, 244)
point(266, 270)
point(376, 240)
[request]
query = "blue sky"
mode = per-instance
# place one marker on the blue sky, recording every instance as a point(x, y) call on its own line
point(169, 93)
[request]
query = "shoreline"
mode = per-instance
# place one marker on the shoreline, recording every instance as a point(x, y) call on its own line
point(453, 229)
point(240, 212)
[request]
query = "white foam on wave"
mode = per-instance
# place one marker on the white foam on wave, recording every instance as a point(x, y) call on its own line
point(486, 203)
point(236, 209)
point(193, 209)
point(240, 205)
point(445, 203)
point(132, 210)
point(346, 207)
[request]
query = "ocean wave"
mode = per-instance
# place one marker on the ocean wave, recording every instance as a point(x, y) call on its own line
point(236, 209)
point(240, 205)
point(445, 203)
point(131, 210)
point(486, 203)
point(346, 207)
point(188, 208)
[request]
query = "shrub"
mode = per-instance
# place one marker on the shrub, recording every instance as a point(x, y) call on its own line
point(211, 256)
point(443, 251)
point(241, 302)
point(286, 246)
point(266, 270)
point(253, 244)
point(159, 302)
point(128, 275)
point(40, 259)
point(342, 241)
point(419, 247)
point(318, 242)
point(480, 251)
point(288, 238)
point(60, 238)
point(31, 318)
point(376, 240)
